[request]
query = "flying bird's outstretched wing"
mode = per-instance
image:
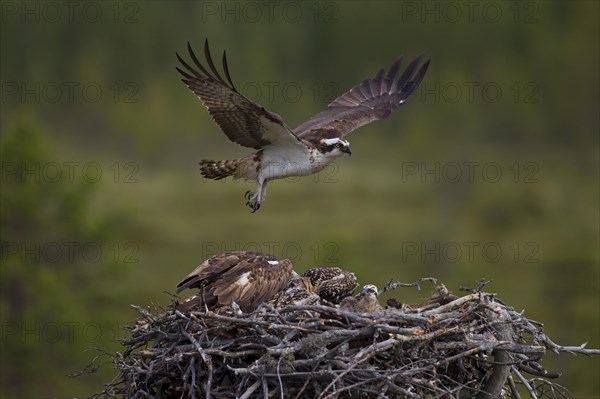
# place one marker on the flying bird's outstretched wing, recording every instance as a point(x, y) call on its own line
point(241, 119)
point(371, 100)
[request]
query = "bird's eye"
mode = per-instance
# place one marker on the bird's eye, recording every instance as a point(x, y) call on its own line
point(338, 145)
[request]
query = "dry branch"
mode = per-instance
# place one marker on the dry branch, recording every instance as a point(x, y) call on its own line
point(449, 347)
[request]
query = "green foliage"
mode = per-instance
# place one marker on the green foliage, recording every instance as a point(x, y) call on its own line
point(49, 267)
point(155, 218)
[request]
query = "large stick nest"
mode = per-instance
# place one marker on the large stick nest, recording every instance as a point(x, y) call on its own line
point(449, 347)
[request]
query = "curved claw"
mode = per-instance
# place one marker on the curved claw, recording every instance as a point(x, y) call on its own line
point(252, 201)
point(253, 205)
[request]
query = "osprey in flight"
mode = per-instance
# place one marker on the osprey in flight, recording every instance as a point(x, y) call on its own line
point(280, 151)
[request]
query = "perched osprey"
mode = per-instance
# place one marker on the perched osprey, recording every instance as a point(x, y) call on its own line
point(281, 151)
point(246, 278)
point(331, 283)
point(299, 291)
point(365, 302)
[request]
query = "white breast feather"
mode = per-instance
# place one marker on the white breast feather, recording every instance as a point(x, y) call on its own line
point(283, 161)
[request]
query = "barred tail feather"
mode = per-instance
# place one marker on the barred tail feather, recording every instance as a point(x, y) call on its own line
point(218, 170)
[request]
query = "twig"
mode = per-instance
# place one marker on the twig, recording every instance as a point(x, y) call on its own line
point(392, 285)
point(250, 390)
point(441, 348)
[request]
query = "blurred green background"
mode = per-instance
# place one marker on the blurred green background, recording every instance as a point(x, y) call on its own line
point(489, 171)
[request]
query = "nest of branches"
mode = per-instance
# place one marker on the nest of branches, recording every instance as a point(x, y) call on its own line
point(448, 347)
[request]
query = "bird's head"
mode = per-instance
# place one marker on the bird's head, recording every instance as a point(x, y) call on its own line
point(300, 282)
point(369, 291)
point(335, 147)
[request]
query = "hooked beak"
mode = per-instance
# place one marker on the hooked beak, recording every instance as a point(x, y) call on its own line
point(347, 149)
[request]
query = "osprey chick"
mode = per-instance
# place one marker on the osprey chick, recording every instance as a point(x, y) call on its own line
point(281, 151)
point(365, 302)
point(299, 291)
point(331, 283)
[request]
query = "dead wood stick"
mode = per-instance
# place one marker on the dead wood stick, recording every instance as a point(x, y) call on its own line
point(250, 390)
point(392, 285)
point(206, 360)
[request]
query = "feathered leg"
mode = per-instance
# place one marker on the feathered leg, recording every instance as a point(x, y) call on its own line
point(263, 191)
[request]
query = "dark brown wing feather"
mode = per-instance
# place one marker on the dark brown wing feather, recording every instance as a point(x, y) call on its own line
point(213, 268)
point(241, 119)
point(252, 282)
point(248, 278)
point(371, 100)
